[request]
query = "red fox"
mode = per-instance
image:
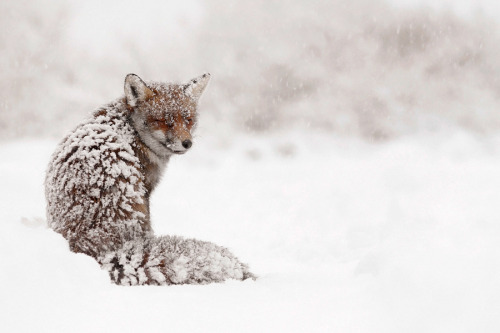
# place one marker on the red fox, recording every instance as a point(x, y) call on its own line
point(101, 177)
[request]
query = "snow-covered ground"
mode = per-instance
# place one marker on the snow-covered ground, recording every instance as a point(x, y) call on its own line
point(346, 236)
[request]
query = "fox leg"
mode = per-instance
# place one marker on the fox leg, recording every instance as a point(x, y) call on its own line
point(172, 260)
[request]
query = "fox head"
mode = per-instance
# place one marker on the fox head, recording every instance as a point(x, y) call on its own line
point(163, 114)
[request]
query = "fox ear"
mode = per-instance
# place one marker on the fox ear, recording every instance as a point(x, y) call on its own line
point(136, 90)
point(196, 86)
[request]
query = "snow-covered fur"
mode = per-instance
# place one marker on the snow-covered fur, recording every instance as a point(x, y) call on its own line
point(172, 260)
point(101, 176)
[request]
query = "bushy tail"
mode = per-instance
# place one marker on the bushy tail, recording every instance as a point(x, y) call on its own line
point(172, 260)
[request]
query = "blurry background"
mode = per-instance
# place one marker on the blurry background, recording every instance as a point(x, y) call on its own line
point(370, 69)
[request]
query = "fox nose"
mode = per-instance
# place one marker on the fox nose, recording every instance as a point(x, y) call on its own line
point(187, 143)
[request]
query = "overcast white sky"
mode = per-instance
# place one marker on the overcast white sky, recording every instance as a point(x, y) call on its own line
point(461, 7)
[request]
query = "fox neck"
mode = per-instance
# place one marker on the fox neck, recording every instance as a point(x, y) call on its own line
point(152, 164)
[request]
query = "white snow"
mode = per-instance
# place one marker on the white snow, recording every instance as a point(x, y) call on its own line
point(345, 237)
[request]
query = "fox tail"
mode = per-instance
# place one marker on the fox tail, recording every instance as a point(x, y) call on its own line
point(170, 260)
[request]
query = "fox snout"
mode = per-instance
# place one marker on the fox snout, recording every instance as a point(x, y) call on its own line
point(179, 146)
point(187, 143)
point(179, 139)
point(177, 143)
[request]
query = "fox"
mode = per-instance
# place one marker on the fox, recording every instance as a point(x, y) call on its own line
point(101, 176)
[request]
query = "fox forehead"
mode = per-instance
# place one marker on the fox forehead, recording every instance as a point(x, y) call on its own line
point(169, 99)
